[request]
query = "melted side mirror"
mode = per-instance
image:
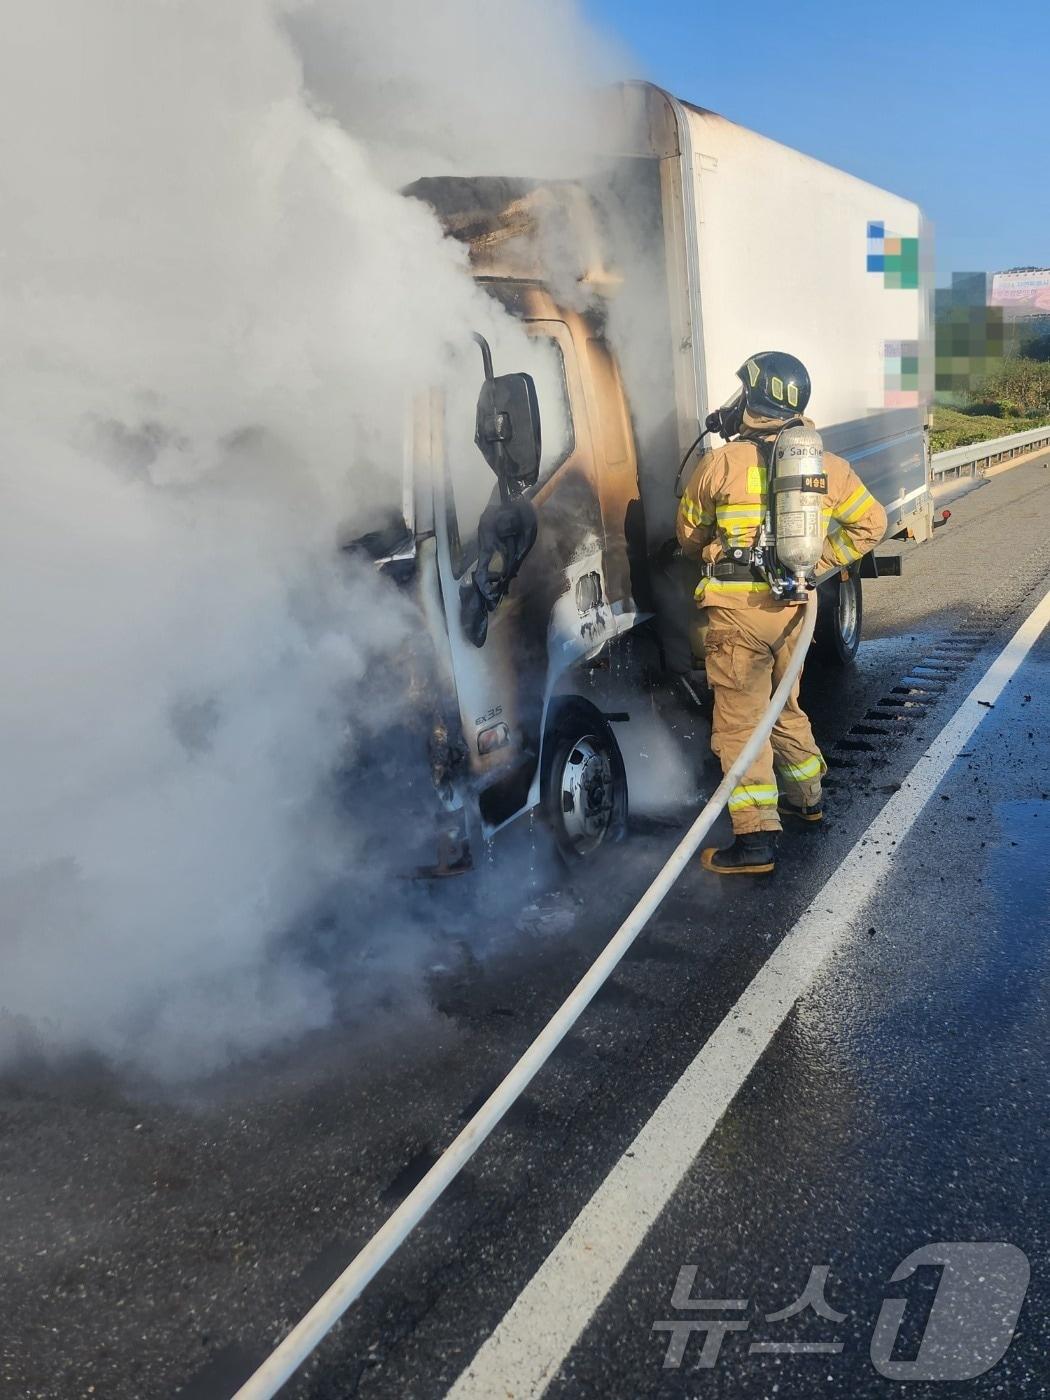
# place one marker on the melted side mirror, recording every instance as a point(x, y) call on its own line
point(508, 427)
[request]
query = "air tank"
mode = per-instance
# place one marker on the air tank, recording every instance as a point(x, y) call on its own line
point(799, 488)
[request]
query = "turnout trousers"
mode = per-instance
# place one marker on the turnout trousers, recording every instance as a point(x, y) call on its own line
point(747, 653)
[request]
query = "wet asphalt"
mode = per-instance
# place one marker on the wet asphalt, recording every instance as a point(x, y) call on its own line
point(904, 1104)
point(158, 1243)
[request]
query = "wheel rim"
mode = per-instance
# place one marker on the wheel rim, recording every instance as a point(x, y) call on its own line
point(586, 793)
point(848, 613)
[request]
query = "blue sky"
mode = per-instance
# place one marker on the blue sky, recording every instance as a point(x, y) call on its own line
point(947, 104)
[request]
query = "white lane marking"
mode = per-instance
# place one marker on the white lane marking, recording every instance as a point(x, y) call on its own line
point(524, 1353)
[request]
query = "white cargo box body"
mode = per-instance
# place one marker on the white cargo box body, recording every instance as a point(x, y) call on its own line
point(788, 253)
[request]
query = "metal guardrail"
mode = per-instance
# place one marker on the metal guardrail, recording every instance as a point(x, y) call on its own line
point(978, 456)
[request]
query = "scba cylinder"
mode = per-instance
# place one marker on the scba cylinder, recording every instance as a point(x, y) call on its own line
point(800, 486)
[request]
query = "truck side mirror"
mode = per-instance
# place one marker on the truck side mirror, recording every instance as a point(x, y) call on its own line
point(508, 427)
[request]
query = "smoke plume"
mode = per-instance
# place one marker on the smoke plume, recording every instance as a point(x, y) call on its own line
point(212, 303)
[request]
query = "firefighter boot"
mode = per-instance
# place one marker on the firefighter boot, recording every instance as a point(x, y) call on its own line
point(752, 853)
point(802, 812)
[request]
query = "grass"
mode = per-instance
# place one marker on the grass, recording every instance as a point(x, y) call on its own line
point(952, 428)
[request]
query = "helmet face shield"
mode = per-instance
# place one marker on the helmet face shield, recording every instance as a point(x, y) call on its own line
point(728, 419)
point(776, 384)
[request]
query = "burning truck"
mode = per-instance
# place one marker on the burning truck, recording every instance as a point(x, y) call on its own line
point(539, 562)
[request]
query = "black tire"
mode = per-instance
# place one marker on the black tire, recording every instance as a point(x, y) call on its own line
point(840, 619)
point(584, 787)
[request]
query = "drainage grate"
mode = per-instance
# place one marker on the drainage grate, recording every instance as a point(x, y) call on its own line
point(916, 693)
point(893, 716)
point(929, 685)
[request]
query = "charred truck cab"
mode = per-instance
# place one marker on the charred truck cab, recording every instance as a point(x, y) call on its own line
point(524, 602)
point(537, 587)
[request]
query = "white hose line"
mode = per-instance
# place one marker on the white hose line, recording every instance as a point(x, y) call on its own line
point(289, 1355)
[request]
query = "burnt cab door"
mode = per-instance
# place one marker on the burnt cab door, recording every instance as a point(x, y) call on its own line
point(616, 473)
point(535, 632)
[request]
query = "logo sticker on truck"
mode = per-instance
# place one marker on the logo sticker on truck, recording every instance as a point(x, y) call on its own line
point(896, 257)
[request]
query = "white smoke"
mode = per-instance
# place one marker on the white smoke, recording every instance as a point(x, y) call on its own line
point(463, 87)
point(212, 301)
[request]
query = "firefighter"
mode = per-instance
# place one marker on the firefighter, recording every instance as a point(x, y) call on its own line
point(750, 633)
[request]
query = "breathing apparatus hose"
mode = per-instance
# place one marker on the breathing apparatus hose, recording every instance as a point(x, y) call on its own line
point(681, 466)
point(351, 1283)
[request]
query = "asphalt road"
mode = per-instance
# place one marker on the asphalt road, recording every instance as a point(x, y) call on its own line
point(159, 1243)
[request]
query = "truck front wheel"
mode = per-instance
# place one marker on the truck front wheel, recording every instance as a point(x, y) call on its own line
point(584, 783)
point(840, 617)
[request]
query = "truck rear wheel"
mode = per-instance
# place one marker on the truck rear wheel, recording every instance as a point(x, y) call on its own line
point(840, 618)
point(584, 784)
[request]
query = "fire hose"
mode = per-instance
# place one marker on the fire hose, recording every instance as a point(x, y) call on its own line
point(305, 1336)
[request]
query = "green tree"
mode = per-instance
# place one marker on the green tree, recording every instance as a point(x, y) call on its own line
point(1038, 348)
point(1020, 386)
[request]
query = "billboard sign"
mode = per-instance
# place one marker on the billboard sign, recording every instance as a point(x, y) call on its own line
point(1027, 293)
